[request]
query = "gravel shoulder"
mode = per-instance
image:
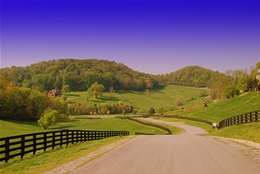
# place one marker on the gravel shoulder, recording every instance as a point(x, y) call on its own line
point(248, 148)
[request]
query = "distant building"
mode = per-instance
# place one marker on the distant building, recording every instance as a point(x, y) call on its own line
point(54, 92)
point(258, 78)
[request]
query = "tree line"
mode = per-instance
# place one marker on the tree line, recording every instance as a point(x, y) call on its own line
point(78, 75)
point(31, 83)
point(26, 103)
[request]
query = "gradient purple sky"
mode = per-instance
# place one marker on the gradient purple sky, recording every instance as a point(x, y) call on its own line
point(154, 37)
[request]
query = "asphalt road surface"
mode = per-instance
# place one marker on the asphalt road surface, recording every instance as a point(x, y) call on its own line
point(188, 153)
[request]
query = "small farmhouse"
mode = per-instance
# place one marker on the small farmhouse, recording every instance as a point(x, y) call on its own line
point(54, 92)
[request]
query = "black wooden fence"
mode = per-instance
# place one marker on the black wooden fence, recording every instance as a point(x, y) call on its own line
point(245, 118)
point(152, 125)
point(142, 133)
point(30, 143)
point(188, 118)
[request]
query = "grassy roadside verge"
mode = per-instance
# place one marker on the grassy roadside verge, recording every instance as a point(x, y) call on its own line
point(174, 130)
point(51, 159)
point(250, 132)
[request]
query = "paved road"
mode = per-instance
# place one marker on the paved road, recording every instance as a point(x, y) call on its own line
point(172, 154)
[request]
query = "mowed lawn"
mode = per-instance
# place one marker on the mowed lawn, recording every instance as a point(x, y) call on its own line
point(223, 109)
point(10, 128)
point(142, 100)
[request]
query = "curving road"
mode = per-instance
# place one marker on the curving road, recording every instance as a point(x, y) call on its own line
point(172, 154)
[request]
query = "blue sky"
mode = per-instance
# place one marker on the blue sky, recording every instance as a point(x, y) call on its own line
point(155, 37)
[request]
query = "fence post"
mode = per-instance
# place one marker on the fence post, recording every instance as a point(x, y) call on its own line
point(45, 141)
point(246, 118)
point(34, 144)
point(22, 146)
point(256, 116)
point(53, 140)
point(6, 149)
point(67, 138)
point(77, 136)
point(61, 138)
point(94, 135)
point(88, 135)
point(72, 137)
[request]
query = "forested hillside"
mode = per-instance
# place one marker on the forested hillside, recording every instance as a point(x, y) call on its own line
point(80, 74)
point(194, 76)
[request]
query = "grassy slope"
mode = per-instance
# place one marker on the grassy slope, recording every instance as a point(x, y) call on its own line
point(215, 112)
point(228, 108)
point(163, 97)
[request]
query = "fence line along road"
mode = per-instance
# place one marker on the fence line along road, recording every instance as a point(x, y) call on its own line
point(30, 143)
point(245, 118)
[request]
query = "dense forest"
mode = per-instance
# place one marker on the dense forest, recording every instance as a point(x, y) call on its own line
point(80, 74)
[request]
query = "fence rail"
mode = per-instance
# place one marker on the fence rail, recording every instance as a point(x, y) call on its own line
point(245, 118)
point(30, 143)
point(189, 118)
point(143, 133)
point(152, 124)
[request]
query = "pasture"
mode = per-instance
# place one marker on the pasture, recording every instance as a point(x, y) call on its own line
point(142, 100)
point(10, 127)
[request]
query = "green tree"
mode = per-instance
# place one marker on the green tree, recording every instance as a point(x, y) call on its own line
point(151, 111)
point(58, 83)
point(231, 91)
point(96, 90)
point(217, 90)
point(49, 117)
point(252, 83)
point(39, 102)
point(43, 82)
point(162, 109)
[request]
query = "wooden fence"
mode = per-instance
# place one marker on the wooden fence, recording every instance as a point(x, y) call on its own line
point(245, 118)
point(189, 118)
point(142, 133)
point(152, 124)
point(30, 143)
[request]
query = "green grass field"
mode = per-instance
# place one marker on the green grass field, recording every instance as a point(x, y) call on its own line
point(167, 96)
point(227, 108)
point(10, 128)
point(158, 97)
